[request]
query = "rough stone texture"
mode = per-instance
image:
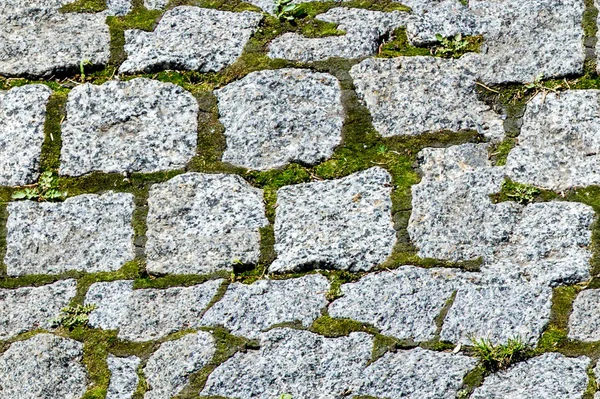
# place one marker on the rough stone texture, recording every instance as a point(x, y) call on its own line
point(278, 116)
point(299, 363)
point(415, 95)
point(190, 38)
point(343, 224)
point(22, 117)
point(30, 308)
point(155, 4)
point(88, 232)
point(37, 40)
point(148, 314)
point(403, 303)
point(498, 313)
point(416, 374)
point(584, 323)
point(123, 376)
point(247, 310)
point(364, 30)
point(43, 367)
point(454, 218)
point(549, 376)
point(559, 144)
point(168, 369)
point(119, 7)
point(269, 5)
point(140, 125)
point(201, 223)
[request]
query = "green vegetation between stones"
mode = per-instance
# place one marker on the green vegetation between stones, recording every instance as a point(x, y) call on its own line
point(495, 357)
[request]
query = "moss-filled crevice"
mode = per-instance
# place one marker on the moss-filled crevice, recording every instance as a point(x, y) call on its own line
point(84, 6)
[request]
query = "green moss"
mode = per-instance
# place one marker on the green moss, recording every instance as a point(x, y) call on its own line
point(555, 335)
point(519, 192)
point(333, 327)
point(55, 113)
point(499, 151)
point(592, 384)
point(84, 6)
point(398, 45)
point(590, 16)
point(223, 5)
point(473, 380)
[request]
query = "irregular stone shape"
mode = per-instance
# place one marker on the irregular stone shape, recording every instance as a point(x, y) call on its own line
point(559, 144)
point(190, 38)
point(140, 125)
point(30, 308)
point(119, 7)
point(123, 376)
point(416, 95)
point(202, 223)
point(278, 116)
point(43, 367)
point(155, 4)
point(247, 310)
point(416, 374)
point(22, 117)
point(148, 314)
point(299, 363)
point(342, 224)
point(403, 303)
point(498, 313)
point(36, 40)
point(168, 369)
point(364, 31)
point(549, 376)
point(90, 232)
point(584, 323)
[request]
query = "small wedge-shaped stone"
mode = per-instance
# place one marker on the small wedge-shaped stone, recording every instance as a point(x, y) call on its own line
point(22, 117)
point(140, 125)
point(416, 95)
point(559, 144)
point(498, 313)
point(123, 376)
point(278, 116)
point(416, 374)
point(247, 310)
point(341, 224)
point(549, 376)
point(202, 223)
point(403, 303)
point(29, 308)
point(168, 369)
point(43, 367)
point(148, 314)
point(363, 29)
point(584, 322)
point(299, 363)
point(90, 232)
point(190, 38)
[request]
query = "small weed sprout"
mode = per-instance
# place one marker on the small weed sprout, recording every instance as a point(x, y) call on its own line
point(285, 10)
point(452, 47)
point(498, 357)
point(73, 316)
point(285, 396)
point(382, 149)
point(82, 65)
point(518, 192)
point(45, 190)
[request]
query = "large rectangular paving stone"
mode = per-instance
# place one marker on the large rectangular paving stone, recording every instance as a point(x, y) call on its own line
point(30, 308)
point(203, 223)
point(140, 125)
point(22, 118)
point(90, 233)
point(148, 314)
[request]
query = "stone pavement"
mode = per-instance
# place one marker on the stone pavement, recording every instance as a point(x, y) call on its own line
point(206, 199)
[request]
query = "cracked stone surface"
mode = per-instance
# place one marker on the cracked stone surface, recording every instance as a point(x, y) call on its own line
point(30, 308)
point(351, 230)
point(169, 368)
point(140, 125)
point(190, 38)
point(416, 374)
point(36, 40)
point(558, 146)
point(90, 232)
point(247, 310)
point(299, 363)
point(148, 314)
point(123, 376)
point(363, 29)
point(202, 223)
point(551, 376)
point(584, 324)
point(264, 132)
point(43, 367)
point(416, 95)
point(22, 118)
point(402, 303)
